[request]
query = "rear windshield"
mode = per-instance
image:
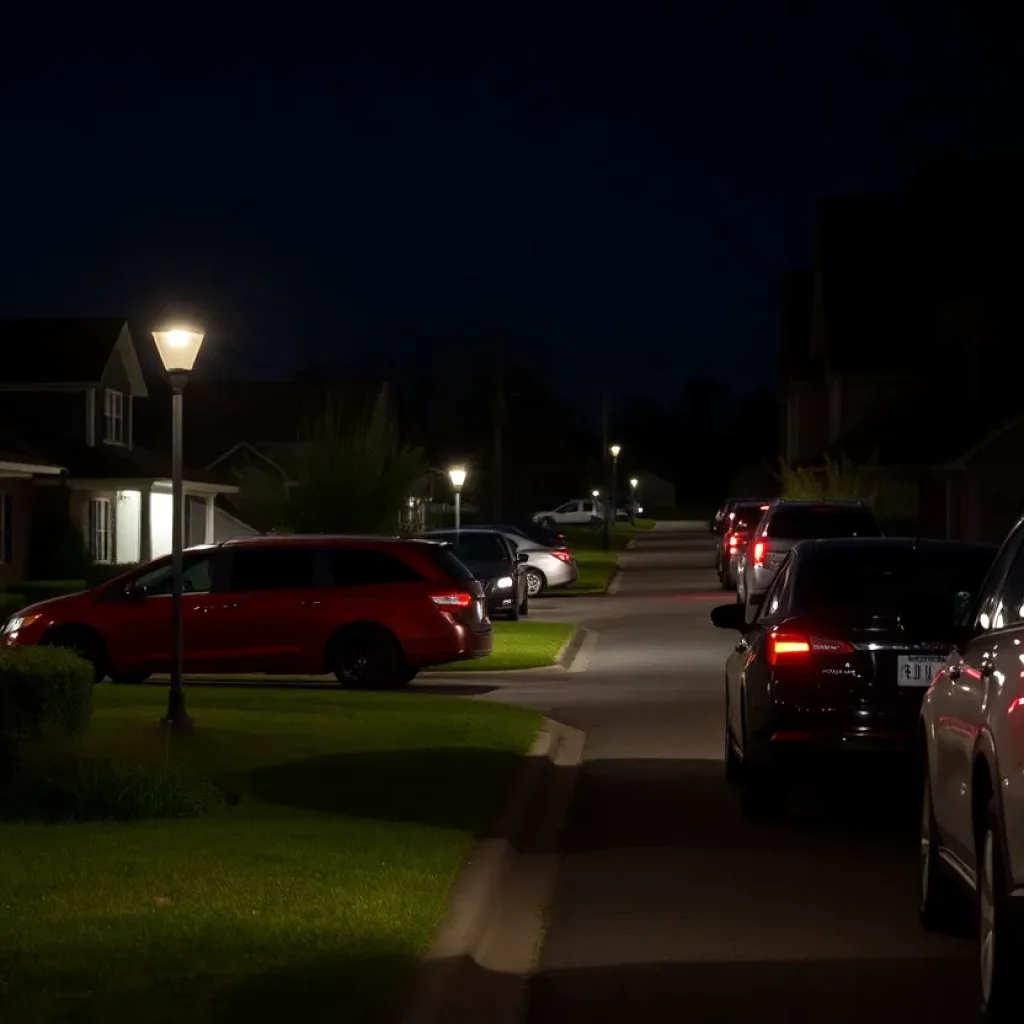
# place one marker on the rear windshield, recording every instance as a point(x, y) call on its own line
point(821, 522)
point(747, 516)
point(894, 579)
point(447, 562)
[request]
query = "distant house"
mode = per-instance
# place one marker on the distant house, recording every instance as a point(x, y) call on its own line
point(891, 350)
point(70, 394)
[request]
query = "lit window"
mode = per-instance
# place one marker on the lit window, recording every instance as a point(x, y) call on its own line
point(101, 530)
point(113, 417)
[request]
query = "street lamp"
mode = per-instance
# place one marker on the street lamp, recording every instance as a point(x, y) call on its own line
point(178, 345)
point(634, 483)
point(457, 475)
point(609, 516)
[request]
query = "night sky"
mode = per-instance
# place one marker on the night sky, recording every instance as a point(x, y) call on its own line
point(627, 181)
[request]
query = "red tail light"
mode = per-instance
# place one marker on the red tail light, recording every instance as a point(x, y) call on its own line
point(759, 551)
point(797, 648)
point(454, 599)
point(563, 556)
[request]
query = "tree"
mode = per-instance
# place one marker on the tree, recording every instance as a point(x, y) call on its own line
point(350, 477)
point(838, 480)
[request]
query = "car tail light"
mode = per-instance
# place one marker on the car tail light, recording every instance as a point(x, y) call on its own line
point(453, 599)
point(798, 648)
point(564, 556)
point(735, 539)
point(760, 548)
point(764, 508)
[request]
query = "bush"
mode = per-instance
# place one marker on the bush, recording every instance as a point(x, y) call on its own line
point(11, 604)
point(43, 590)
point(43, 688)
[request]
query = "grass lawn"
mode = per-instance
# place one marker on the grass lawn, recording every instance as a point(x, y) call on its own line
point(596, 566)
point(519, 645)
point(310, 899)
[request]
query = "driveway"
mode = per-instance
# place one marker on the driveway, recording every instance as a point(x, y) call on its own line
point(669, 905)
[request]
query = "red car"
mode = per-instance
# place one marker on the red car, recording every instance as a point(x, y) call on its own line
point(372, 611)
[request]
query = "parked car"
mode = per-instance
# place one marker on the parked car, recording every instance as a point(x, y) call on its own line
point(492, 560)
point(582, 512)
point(544, 568)
point(723, 519)
point(545, 535)
point(972, 809)
point(849, 636)
point(786, 523)
point(372, 611)
point(741, 522)
point(627, 511)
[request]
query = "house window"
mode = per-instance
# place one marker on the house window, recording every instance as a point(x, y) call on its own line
point(113, 417)
point(7, 529)
point(101, 530)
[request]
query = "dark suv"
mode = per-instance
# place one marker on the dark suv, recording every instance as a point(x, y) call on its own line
point(493, 561)
point(371, 610)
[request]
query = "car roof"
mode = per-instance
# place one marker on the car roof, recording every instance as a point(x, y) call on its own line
point(328, 539)
point(818, 503)
point(897, 544)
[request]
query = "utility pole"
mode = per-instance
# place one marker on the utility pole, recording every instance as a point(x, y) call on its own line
point(499, 426)
point(604, 464)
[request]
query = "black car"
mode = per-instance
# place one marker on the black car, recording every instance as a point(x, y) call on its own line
point(491, 559)
point(850, 634)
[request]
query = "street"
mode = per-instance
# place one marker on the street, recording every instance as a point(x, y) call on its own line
point(669, 904)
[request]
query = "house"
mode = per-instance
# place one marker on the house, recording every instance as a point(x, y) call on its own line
point(893, 348)
point(73, 390)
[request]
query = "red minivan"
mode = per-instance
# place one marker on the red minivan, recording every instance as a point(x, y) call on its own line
point(373, 611)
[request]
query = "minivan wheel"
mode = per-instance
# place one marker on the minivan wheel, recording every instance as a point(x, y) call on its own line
point(84, 642)
point(535, 582)
point(368, 658)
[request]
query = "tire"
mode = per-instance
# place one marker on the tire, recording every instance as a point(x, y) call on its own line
point(763, 793)
point(536, 584)
point(513, 613)
point(130, 678)
point(85, 642)
point(938, 898)
point(368, 658)
point(999, 948)
point(524, 608)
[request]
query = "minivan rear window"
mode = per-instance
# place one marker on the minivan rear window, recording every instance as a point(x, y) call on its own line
point(446, 561)
point(820, 522)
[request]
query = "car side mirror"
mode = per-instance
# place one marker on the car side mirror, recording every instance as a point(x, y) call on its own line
point(522, 556)
point(730, 616)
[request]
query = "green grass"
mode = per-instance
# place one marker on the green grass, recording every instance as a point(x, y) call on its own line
point(597, 567)
point(519, 645)
point(310, 899)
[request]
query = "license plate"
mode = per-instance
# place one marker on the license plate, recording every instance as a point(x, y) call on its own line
point(917, 669)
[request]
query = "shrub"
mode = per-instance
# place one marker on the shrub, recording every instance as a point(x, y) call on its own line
point(11, 604)
point(43, 590)
point(43, 688)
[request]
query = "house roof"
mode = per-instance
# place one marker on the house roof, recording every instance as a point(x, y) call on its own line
point(64, 351)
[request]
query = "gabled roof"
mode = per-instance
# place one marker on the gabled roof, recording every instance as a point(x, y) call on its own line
point(67, 351)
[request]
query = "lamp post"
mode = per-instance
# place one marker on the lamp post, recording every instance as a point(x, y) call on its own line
point(633, 484)
point(457, 475)
point(178, 345)
point(609, 516)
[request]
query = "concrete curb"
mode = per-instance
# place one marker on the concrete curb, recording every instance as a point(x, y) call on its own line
point(479, 944)
point(580, 661)
point(616, 583)
point(571, 649)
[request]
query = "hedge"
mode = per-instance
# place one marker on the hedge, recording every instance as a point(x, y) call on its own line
point(11, 604)
point(43, 687)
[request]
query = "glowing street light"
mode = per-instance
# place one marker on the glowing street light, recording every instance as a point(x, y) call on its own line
point(457, 476)
point(178, 345)
point(615, 450)
point(609, 513)
point(596, 493)
point(634, 483)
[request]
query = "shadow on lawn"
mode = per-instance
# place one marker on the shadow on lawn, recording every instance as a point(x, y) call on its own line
point(446, 788)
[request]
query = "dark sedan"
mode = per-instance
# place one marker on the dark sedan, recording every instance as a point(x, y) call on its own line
point(492, 560)
point(848, 639)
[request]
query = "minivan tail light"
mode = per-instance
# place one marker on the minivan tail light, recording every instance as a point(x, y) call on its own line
point(798, 648)
point(453, 599)
point(759, 549)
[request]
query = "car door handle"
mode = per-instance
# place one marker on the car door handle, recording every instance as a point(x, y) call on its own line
point(987, 668)
point(310, 603)
point(217, 607)
point(955, 671)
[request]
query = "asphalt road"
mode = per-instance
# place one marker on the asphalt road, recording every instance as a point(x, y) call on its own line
point(670, 905)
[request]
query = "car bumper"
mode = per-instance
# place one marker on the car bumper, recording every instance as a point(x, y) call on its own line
point(561, 574)
point(463, 643)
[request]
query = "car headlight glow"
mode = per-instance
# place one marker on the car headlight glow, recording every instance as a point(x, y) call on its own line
point(12, 625)
point(503, 582)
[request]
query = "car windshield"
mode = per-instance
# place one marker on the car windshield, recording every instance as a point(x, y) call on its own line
point(807, 522)
point(477, 547)
point(893, 580)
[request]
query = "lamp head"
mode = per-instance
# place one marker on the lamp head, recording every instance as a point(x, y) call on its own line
point(457, 476)
point(615, 449)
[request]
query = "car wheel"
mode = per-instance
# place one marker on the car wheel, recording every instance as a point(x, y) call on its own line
point(535, 582)
point(368, 658)
point(763, 793)
point(84, 642)
point(998, 946)
point(936, 890)
point(513, 613)
point(524, 608)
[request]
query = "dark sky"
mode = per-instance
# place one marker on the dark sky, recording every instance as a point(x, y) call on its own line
point(638, 179)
